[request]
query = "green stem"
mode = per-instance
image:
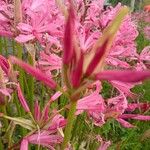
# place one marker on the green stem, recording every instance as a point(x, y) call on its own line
point(19, 55)
point(65, 76)
point(1, 143)
point(31, 86)
point(3, 109)
point(1, 45)
point(5, 46)
point(10, 135)
point(69, 126)
point(16, 101)
point(13, 46)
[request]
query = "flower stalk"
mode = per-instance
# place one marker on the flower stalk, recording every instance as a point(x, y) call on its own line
point(69, 126)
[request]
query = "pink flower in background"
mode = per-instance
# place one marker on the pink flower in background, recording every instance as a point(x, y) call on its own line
point(92, 102)
point(104, 144)
point(124, 88)
point(44, 138)
point(6, 17)
point(40, 23)
point(7, 76)
point(39, 26)
point(49, 62)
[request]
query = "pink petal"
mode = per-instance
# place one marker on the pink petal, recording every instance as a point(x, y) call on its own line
point(93, 102)
point(100, 52)
point(77, 73)
point(57, 122)
point(125, 88)
point(24, 27)
point(4, 64)
point(22, 99)
point(68, 37)
point(124, 76)
point(24, 145)
point(141, 106)
point(56, 95)
point(125, 123)
point(104, 144)
point(44, 138)
point(34, 72)
point(135, 116)
point(24, 38)
point(6, 33)
point(118, 103)
point(37, 112)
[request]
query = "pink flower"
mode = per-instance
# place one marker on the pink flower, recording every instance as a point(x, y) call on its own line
point(43, 138)
point(104, 144)
point(37, 29)
point(125, 88)
point(49, 62)
point(83, 65)
point(57, 122)
point(94, 105)
point(40, 23)
point(93, 102)
point(6, 17)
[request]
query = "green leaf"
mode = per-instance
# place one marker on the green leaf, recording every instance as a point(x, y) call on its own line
point(25, 123)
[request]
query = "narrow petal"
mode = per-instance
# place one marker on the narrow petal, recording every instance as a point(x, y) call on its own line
point(22, 99)
point(44, 138)
point(37, 112)
point(22, 38)
point(125, 123)
point(124, 76)
point(97, 57)
point(77, 73)
point(4, 64)
point(135, 116)
point(68, 37)
point(24, 144)
point(24, 27)
point(34, 72)
point(56, 95)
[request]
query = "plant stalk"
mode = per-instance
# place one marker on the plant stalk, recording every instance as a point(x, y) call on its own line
point(69, 126)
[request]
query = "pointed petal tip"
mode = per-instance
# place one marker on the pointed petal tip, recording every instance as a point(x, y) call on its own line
point(129, 76)
point(34, 72)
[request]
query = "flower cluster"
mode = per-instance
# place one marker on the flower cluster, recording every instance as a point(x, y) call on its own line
point(79, 44)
